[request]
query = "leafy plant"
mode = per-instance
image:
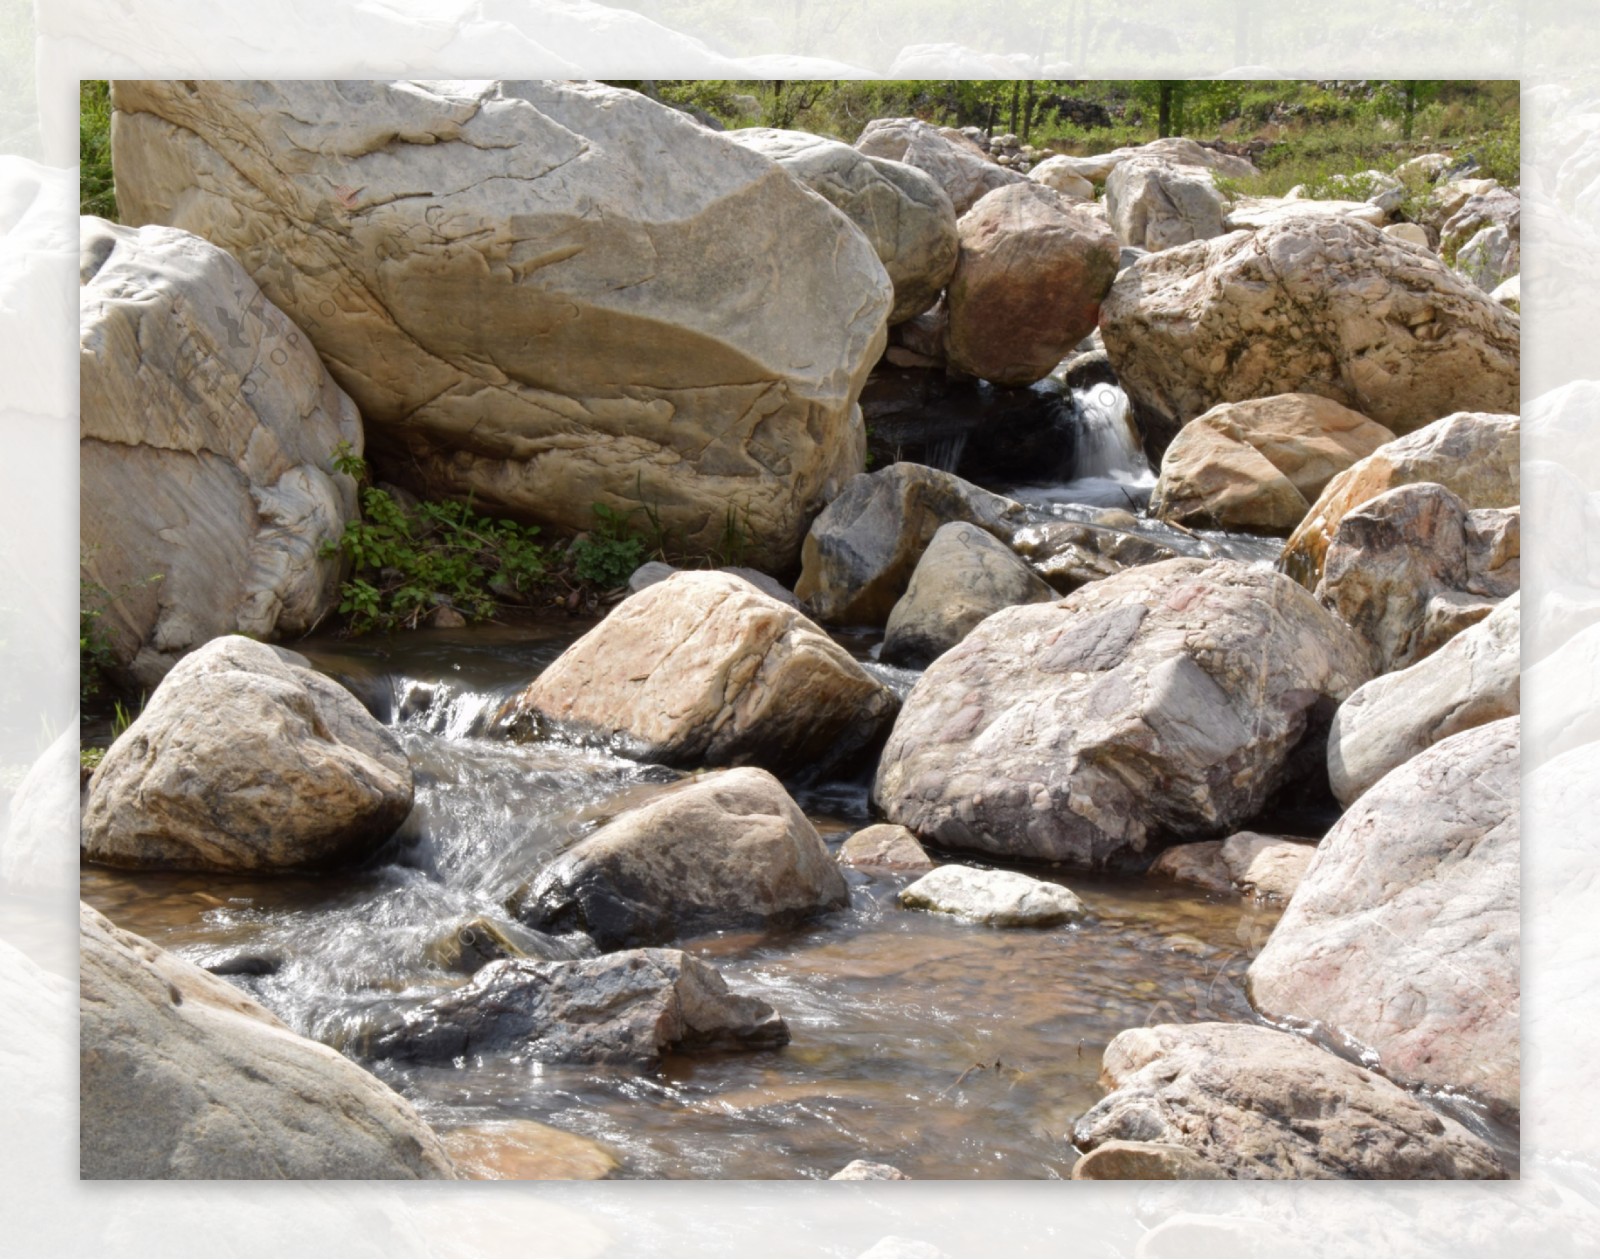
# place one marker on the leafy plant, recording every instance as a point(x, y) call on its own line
point(610, 552)
point(97, 660)
point(97, 193)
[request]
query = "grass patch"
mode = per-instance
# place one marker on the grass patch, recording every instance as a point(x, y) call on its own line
point(97, 191)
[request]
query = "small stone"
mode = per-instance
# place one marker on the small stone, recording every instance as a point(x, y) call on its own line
point(885, 846)
point(1119, 1160)
point(993, 898)
point(866, 1170)
point(1199, 863)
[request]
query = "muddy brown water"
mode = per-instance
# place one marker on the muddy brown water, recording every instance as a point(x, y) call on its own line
point(949, 1050)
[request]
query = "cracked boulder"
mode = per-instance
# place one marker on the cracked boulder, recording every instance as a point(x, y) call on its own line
point(544, 294)
point(906, 215)
point(703, 669)
point(1255, 1103)
point(1475, 455)
point(1473, 679)
point(1484, 237)
point(183, 1076)
point(965, 575)
point(1404, 937)
point(208, 427)
point(1027, 285)
point(1411, 569)
point(1327, 306)
point(729, 849)
point(1166, 702)
point(246, 759)
point(1155, 204)
point(628, 1008)
point(1259, 465)
point(862, 550)
point(954, 162)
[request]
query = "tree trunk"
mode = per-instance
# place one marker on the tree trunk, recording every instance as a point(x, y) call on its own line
point(1027, 114)
point(1164, 108)
point(1410, 86)
point(1016, 92)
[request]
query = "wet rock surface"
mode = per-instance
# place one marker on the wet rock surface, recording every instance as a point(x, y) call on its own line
point(993, 898)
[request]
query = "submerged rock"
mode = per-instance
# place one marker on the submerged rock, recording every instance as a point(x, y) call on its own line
point(1412, 568)
point(205, 457)
point(1070, 554)
point(993, 898)
point(525, 1150)
point(1476, 455)
point(1473, 679)
point(629, 1007)
point(956, 164)
point(703, 669)
point(1027, 286)
point(1259, 465)
point(885, 846)
point(860, 553)
point(1164, 702)
point(903, 211)
point(727, 849)
point(1321, 306)
point(1404, 935)
point(1118, 1160)
point(1255, 1103)
point(544, 294)
point(246, 759)
point(183, 1076)
point(965, 575)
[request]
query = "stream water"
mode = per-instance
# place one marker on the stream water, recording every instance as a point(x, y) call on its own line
point(948, 1050)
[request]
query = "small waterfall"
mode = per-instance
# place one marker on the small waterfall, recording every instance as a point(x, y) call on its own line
point(1107, 442)
point(945, 453)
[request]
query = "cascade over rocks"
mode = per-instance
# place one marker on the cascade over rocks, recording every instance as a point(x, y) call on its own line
point(1165, 701)
point(1474, 454)
point(183, 1076)
point(1473, 679)
point(965, 575)
point(246, 759)
point(904, 213)
point(543, 294)
point(1259, 465)
point(1256, 1103)
point(207, 434)
point(1321, 306)
point(861, 551)
point(1028, 283)
point(628, 1007)
point(1404, 936)
point(956, 164)
point(703, 669)
point(1412, 568)
point(728, 849)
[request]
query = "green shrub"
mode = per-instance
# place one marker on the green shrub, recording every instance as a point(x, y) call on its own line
point(610, 552)
point(97, 192)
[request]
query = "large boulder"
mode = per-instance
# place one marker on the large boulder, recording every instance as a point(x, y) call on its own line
point(1412, 568)
point(246, 759)
point(1027, 285)
point(965, 575)
point(208, 429)
point(1254, 213)
point(1155, 204)
point(1473, 679)
point(1318, 306)
point(1483, 237)
point(183, 1076)
point(543, 294)
point(705, 670)
point(956, 164)
point(1259, 465)
point(1062, 175)
point(861, 551)
point(730, 849)
point(1164, 702)
point(1098, 168)
point(1256, 1103)
point(1477, 455)
point(630, 1007)
point(1404, 935)
point(905, 214)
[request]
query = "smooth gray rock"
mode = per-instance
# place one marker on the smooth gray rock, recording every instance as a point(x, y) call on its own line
point(1473, 679)
point(965, 575)
point(1163, 703)
point(956, 164)
point(1262, 1104)
point(628, 1007)
point(727, 849)
point(208, 427)
point(183, 1076)
point(246, 759)
point(1405, 934)
point(992, 898)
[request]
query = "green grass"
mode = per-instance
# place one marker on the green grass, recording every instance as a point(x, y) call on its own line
point(97, 192)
